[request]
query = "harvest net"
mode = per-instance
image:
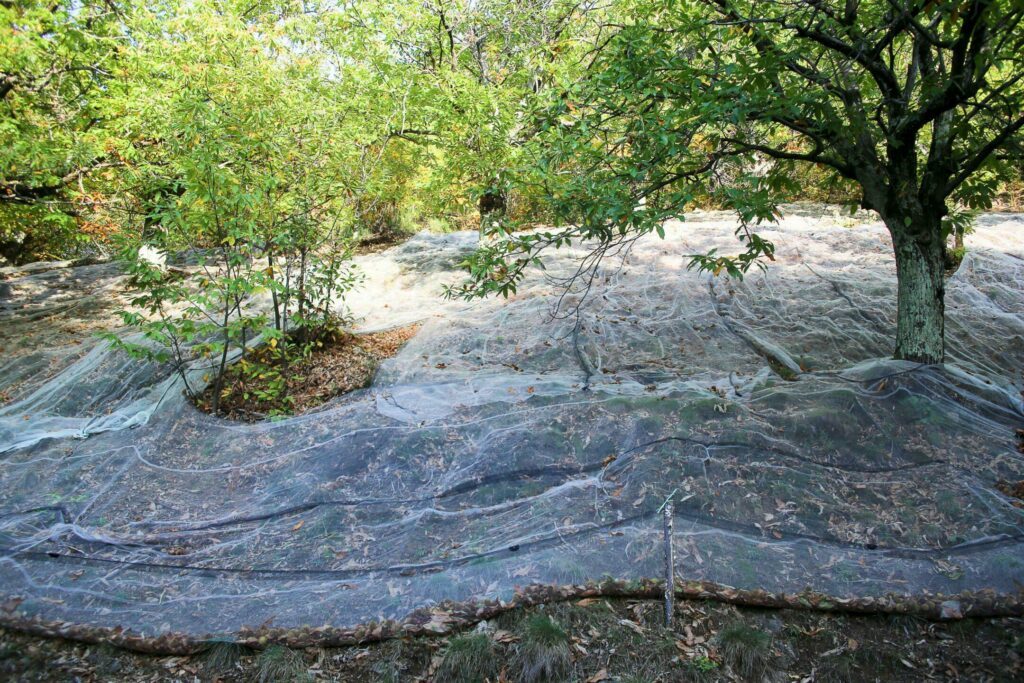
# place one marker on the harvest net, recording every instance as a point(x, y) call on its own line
point(504, 446)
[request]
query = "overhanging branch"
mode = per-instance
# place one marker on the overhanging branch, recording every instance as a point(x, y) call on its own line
point(19, 191)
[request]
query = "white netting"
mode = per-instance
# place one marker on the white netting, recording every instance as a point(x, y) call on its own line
point(503, 447)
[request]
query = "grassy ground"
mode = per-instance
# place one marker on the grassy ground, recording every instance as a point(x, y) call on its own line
point(588, 641)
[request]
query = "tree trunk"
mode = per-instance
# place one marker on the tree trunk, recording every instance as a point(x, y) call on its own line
point(920, 314)
point(491, 205)
point(218, 385)
point(490, 202)
point(273, 291)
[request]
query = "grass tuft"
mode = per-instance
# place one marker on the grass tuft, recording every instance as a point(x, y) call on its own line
point(543, 654)
point(279, 664)
point(745, 648)
point(220, 656)
point(469, 659)
point(396, 660)
point(388, 669)
point(701, 670)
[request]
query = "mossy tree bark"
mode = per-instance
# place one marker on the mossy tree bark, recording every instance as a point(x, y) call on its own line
point(920, 307)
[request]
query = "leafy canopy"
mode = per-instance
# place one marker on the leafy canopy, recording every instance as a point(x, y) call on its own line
point(916, 104)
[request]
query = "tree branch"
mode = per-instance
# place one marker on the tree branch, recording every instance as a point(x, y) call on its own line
point(17, 191)
point(815, 156)
point(975, 162)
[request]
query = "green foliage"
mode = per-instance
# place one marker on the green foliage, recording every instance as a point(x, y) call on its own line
point(700, 669)
point(460, 75)
point(704, 664)
point(402, 111)
point(915, 105)
point(58, 93)
point(248, 182)
point(255, 144)
point(265, 141)
point(279, 133)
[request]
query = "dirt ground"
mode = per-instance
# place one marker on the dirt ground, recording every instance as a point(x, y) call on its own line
point(589, 641)
point(340, 364)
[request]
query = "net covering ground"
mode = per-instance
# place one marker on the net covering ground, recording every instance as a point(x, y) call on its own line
point(505, 446)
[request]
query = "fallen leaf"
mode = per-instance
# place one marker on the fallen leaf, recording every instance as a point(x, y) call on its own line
point(632, 625)
point(438, 622)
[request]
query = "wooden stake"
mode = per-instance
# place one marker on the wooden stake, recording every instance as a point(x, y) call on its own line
point(670, 568)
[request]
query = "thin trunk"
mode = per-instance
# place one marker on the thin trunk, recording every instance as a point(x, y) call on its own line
point(955, 254)
point(273, 292)
point(302, 291)
point(327, 300)
point(219, 384)
point(284, 317)
point(241, 318)
point(920, 315)
point(287, 299)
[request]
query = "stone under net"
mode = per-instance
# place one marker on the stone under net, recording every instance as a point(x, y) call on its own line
point(504, 446)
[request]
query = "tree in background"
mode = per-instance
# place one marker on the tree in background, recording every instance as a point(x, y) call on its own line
point(58, 98)
point(462, 74)
point(252, 181)
point(919, 103)
point(299, 127)
point(254, 143)
point(485, 63)
point(444, 87)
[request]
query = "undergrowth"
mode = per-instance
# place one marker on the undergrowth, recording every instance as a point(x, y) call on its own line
point(543, 654)
point(468, 659)
point(221, 656)
point(279, 664)
point(745, 648)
